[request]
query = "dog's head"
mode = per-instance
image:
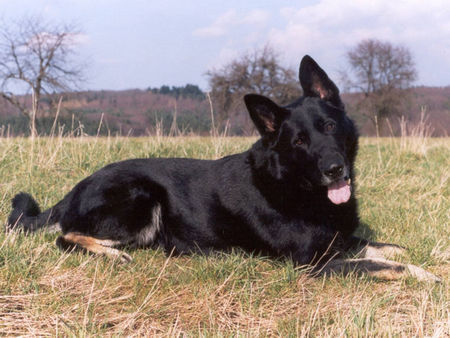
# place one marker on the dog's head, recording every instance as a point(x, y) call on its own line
point(311, 142)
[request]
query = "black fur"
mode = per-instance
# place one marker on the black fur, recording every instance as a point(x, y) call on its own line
point(271, 199)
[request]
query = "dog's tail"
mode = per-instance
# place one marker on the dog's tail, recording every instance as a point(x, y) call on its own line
point(27, 215)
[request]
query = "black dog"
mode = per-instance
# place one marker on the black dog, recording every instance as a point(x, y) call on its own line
point(290, 195)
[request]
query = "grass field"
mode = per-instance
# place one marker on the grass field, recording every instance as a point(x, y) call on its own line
point(403, 189)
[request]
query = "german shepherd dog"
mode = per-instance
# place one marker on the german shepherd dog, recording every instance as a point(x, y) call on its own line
point(292, 194)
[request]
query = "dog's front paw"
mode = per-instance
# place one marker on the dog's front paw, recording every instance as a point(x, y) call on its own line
point(421, 274)
point(382, 250)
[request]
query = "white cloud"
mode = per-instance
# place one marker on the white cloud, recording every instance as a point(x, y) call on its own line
point(220, 26)
point(231, 20)
point(256, 17)
point(329, 28)
point(236, 32)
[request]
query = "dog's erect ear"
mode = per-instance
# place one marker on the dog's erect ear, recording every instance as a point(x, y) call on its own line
point(315, 82)
point(266, 114)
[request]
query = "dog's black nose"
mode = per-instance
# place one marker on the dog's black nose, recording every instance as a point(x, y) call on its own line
point(334, 171)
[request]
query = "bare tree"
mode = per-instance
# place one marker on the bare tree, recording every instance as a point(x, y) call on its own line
point(382, 72)
point(257, 72)
point(37, 56)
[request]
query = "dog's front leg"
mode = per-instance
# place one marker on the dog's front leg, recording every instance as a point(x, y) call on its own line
point(371, 258)
point(366, 249)
point(378, 267)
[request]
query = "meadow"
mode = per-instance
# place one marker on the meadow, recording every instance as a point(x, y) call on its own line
point(403, 190)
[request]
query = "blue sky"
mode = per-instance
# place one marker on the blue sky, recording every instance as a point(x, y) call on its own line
point(137, 44)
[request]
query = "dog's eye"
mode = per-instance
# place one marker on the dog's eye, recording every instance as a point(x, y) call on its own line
point(329, 127)
point(300, 141)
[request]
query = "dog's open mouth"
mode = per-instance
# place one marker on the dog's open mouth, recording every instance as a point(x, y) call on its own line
point(340, 191)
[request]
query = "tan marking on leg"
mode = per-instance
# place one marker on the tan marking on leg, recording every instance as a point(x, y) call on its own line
point(380, 250)
point(108, 242)
point(421, 274)
point(97, 246)
point(386, 251)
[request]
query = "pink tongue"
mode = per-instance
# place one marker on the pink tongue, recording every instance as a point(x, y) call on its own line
point(339, 192)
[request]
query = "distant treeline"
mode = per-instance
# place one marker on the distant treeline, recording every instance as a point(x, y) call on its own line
point(188, 91)
point(185, 109)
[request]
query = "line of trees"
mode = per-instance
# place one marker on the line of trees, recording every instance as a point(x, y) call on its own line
point(188, 91)
point(380, 70)
point(39, 57)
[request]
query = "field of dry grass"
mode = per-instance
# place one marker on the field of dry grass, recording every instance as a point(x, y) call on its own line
point(403, 188)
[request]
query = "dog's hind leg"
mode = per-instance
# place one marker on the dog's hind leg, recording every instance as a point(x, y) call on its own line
point(73, 240)
point(377, 267)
